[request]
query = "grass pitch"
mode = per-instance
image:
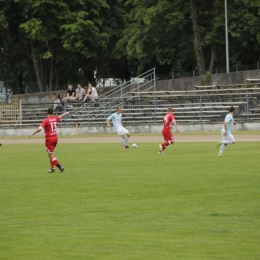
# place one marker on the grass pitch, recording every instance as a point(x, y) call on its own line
point(130, 204)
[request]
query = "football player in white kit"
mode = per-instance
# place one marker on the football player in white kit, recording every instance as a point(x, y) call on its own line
point(116, 119)
point(227, 137)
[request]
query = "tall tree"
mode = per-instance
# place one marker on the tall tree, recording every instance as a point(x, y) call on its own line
point(152, 37)
point(41, 25)
point(244, 23)
point(91, 31)
point(13, 61)
point(60, 41)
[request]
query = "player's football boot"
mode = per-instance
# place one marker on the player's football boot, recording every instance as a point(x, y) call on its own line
point(160, 153)
point(62, 169)
point(218, 143)
point(51, 170)
point(126, 147)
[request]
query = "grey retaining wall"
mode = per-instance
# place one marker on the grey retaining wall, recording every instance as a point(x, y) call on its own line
point(215, 79)
point(133, 129)
point(172, 84)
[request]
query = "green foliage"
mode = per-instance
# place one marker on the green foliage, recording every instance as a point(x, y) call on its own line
point(60, 38)
point(159, 34)
point(205, 79)
point(152, 36)
point(47, 55)
point(51, 40)
point(245, 37)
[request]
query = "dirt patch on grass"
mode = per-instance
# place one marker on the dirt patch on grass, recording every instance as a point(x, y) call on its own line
point(133, 139)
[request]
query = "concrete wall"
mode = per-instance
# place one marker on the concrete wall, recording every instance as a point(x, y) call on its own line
point(49, 97)
point(41, 97)
point(216, 79)
point(144, 129)
point(175, 84)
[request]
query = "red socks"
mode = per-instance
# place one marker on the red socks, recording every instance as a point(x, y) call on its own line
point(164, 145)
point(54, 162)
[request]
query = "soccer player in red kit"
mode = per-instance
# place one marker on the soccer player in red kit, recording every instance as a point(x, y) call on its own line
point(168, 121)
point(51, 139)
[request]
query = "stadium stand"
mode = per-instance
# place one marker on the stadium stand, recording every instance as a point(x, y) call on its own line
point(142, 104)
point(189, 108)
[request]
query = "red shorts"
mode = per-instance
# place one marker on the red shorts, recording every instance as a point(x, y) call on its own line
point(167, 135)
point(50, 143)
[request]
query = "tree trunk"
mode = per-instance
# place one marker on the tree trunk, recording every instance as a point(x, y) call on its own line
point(19, 83)
point(51, 74)
point(197, 39)
point(127, 75)
point(89, 75)
point(57, 77)
point(37, 69)
point(38, 73)
point(212, 58)
point(47, 87)
point(43, 73)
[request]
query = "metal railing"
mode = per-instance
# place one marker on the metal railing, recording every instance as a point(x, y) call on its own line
point(190, 107)
point(139, 96)
point(11, 112)
point(117, 96)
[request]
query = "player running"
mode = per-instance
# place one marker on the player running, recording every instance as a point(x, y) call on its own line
point(168, 121)
point(227, 137)
point(121, 131)
point(51, 139)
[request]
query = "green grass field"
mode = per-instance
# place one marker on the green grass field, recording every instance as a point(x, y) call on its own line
point(130, 204)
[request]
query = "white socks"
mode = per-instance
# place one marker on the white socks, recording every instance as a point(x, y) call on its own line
point(126, 139)
point(222, 148)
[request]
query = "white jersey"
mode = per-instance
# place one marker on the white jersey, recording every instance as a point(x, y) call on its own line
point(230, 121)
point(116, 120)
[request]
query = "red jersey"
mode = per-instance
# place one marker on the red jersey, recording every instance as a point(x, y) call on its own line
point(167, 121)
point(50, 125)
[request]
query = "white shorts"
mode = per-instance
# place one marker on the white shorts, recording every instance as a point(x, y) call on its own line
point(122, 131)
point(229, 137)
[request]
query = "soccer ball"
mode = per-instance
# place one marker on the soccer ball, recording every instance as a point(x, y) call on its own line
point(134, 146)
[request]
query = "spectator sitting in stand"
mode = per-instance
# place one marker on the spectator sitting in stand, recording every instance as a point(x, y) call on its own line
point(86, 93)
point(58, 103)
point(79, 93)
point(91, 93)
point(71, 93)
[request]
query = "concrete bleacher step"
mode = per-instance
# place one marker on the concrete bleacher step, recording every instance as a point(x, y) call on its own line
point(255, 110)
point(174, 106)
point(141, 108)
point(209, 90)
point(251, 114)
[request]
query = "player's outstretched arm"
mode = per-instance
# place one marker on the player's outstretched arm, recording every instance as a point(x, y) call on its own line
point(35, 132)
point(108, 123)
point(64, 114)
point(176, 126)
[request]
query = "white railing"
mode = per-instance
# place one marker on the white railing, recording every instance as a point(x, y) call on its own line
point(108, 101)
point(11, 113)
